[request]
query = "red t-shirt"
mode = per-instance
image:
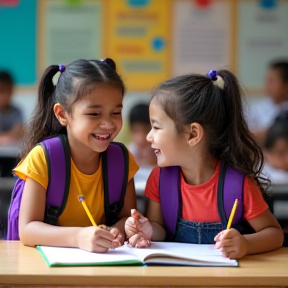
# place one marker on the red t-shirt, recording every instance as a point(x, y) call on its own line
point(200, 201)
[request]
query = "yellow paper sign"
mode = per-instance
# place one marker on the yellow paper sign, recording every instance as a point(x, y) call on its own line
point(137, 39)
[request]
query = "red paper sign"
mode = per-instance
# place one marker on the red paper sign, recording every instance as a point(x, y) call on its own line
point(203, 3)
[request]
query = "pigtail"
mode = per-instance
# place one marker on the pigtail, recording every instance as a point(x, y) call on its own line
point(43, 122)
point(241, 150)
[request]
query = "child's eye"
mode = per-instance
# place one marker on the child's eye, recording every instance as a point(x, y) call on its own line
point(155, 127)
point(117, 113)
point(93, 114)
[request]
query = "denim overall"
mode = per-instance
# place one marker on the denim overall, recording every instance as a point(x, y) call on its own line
point(196, 232)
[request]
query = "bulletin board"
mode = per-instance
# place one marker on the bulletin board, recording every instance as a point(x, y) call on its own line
point(262, 33)
point(70, 30)
point(138, 38)
point(202, 40)
point(150, 40)
point(18, 54)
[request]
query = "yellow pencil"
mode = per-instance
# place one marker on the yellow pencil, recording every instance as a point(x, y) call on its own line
point(231, 217)
point(82, 200)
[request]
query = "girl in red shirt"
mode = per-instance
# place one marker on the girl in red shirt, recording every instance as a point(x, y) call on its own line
point(197, 123)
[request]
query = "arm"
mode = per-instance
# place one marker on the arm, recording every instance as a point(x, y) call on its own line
point(154, 214)
point(33, 231)
point(268, 236)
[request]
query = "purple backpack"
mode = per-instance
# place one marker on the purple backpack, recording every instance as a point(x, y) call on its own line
point(230, 187)
point(115, 166)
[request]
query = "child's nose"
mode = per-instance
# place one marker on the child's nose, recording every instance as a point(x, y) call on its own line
point(107, 124)
point(149, 137)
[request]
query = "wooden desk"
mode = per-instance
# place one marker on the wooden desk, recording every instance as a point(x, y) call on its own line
point(22, 266)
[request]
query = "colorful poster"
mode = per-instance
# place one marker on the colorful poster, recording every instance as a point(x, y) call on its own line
point(72, 30)
point(137, 35)
point(18, 44)
point(262, 37)
point(202, 36)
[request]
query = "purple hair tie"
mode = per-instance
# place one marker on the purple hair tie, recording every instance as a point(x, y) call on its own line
point(212, 74)
point(62, 68)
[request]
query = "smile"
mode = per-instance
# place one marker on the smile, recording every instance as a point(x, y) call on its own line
point(157, 152)
point(102, 136)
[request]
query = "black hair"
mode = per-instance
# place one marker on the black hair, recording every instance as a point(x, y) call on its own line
point(139, 114)
point(282, 67)
point(278, 130)
point(6, 77)
point(196, 98)
point(78, 79)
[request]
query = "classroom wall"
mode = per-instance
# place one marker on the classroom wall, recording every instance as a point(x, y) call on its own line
point(150, 40)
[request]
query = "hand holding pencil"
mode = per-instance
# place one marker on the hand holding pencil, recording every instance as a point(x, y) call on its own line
point(230, 242)
point(98, 238)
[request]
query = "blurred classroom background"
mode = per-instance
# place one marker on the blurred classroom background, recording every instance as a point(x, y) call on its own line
point(150, 41)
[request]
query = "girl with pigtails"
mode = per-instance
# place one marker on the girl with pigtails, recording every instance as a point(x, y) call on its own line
point(83, 102)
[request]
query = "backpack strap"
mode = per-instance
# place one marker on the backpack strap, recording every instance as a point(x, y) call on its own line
point(230, 187)
point(57, 154)
point(170, 197)
point(115, 169)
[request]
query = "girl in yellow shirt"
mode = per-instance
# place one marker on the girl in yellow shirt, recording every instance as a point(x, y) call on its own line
point(83, 101)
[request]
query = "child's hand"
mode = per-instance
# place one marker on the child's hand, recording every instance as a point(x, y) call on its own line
point(231, 243)
point(138, 230)
point(119, 236)
point(97, 239)
point(138, 241)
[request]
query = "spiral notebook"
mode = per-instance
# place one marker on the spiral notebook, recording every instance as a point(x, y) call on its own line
point(159, 253)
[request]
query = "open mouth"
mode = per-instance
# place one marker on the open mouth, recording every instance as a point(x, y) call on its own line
point(103, 137)
point(157, 152)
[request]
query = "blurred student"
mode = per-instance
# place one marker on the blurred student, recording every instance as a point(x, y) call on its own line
point(263, 112)
point(11, 123)
point(144, 155)
point(276, 150)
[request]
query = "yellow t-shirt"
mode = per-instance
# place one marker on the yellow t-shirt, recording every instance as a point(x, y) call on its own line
point(35, 166)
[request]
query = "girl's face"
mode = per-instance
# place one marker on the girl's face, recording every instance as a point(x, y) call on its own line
point(168, 145)
point(95, 119)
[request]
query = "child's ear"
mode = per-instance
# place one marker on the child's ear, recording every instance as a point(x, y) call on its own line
point(196, 134)
point(60, 114)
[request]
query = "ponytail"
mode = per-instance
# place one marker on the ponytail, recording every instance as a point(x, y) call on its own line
point(241, 150)
point(43, 122)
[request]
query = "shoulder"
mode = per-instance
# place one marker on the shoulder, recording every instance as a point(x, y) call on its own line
point(151, 189)
point(37, 153)
point(34, 166)
point(254, 203)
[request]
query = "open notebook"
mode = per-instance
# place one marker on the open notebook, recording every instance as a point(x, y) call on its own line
point(159, 253)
